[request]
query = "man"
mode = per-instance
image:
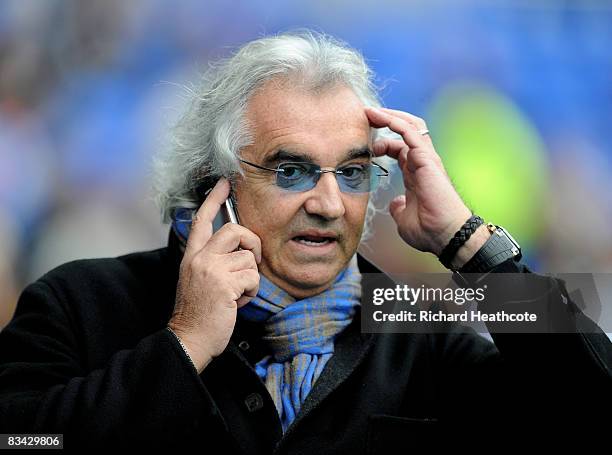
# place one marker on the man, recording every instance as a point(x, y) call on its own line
point(247, 339)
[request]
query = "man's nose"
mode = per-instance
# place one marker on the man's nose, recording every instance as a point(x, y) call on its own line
point(325, 199)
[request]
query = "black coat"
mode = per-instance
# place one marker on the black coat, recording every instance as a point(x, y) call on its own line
point(87, 355)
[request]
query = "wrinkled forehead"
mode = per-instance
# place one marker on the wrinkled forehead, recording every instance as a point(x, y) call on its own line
point(326, 123)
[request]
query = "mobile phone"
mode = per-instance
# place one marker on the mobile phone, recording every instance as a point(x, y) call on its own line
point(182, 216)
point(227, 212)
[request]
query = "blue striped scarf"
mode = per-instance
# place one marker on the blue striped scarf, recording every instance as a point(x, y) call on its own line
point(300, 334)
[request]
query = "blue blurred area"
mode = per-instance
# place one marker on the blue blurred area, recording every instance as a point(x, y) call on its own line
point(87, 90)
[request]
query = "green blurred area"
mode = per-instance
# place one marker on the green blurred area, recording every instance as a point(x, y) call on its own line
point(493, 155)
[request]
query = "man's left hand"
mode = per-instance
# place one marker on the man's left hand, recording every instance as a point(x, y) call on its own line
point(431, 211)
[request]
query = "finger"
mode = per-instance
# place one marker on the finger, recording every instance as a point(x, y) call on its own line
point(232, 236)
point(402, 159)
point(395, 147)
point(406, 169)
point(397, 205)
point(389, 147)
point(202, 223)
point(242, 301)
point(381, 119)
point(417, 122)
point(240, 260)
point(247, 282)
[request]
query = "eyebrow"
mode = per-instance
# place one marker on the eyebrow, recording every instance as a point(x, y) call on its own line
point(287, 155)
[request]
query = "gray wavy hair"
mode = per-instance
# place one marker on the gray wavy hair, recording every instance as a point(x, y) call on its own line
point(206, 141)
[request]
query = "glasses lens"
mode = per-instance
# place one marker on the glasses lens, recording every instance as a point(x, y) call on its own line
point(357, 178)
point(296, 176)
point(352, 178)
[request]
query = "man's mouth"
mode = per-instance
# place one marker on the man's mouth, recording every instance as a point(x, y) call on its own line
point(313, 241)
point(316, 239)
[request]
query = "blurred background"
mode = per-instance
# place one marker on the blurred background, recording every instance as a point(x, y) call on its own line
point(517, 95)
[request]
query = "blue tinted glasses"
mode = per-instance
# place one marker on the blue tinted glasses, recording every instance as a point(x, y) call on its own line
point(303, 176)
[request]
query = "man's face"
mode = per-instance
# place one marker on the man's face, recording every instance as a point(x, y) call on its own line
point(327, 129)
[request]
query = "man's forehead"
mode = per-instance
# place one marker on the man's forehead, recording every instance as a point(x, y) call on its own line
point(298, 121)
point(276, 105)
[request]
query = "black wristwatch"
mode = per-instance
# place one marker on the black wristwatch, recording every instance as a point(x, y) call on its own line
point(498, 248)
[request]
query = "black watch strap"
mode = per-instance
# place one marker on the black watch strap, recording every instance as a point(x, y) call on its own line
point(498, 248)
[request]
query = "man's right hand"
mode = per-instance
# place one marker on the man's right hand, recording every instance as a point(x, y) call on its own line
point(214, 280)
